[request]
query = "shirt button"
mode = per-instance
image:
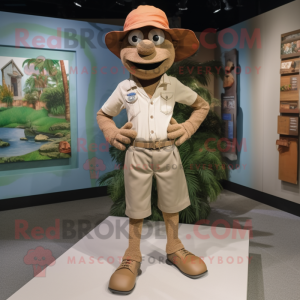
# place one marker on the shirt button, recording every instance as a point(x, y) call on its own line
point(151, 102)
point(152, 131)
point(151, 117)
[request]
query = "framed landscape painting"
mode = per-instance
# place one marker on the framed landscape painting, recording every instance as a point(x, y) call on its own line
point(34, 109)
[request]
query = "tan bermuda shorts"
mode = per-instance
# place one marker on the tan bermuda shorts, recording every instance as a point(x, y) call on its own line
point(140, 167)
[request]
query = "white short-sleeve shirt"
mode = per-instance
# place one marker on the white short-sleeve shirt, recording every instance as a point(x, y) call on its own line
point(150, 116)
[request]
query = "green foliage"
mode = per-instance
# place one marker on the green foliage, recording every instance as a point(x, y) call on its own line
point(27, 116)
point(54, 97)
point(40, 81)
point(36, 82)
point(3, 108)
point(33, 88)
point(29, 85)
point(58, 111)
point(32, 96)
point(56, 78)
point(201, 157)
point(35, 155)
point(48, 65)
point(8, 100)
point(21, 115)
point(6, 95)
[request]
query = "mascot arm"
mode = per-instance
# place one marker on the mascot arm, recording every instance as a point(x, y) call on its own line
point(117, 137)
point(185, 130)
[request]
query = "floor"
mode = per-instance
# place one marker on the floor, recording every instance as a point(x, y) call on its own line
point(274, 268)
point(83, 271)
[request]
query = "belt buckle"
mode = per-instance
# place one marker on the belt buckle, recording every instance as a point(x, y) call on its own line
point(154, 147)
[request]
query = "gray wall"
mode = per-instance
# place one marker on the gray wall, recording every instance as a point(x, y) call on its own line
point(259, 102)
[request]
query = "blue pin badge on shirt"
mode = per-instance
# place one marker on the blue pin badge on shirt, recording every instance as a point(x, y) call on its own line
point(131, 97)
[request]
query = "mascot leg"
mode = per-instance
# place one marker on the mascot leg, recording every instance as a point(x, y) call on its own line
point(173, 242)
point(133, 251)
point(186, 262)
point(123, 279)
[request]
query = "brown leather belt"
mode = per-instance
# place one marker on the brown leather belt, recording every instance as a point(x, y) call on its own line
point(153, 145)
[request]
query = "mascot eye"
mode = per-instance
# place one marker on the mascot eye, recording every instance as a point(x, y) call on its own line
point(135, 37)
point(157, 36)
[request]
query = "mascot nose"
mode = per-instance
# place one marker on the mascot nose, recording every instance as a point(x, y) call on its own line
point(145, 47)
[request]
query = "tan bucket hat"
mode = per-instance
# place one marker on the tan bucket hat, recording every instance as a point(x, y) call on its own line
point(146, 15)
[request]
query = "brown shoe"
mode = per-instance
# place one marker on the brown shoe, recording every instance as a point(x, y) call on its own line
point(122, 281)
point(187, 263)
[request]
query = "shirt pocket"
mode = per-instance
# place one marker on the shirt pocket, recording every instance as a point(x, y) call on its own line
point(166, 102)
point(132, 105)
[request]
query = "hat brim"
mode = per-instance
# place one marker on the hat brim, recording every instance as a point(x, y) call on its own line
point(187, 42)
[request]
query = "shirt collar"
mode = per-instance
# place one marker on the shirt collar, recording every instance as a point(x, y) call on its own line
point(166, 79)
point(134, 82)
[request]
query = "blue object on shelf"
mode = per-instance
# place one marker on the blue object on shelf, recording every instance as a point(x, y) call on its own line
point(226, 117)
point(230, 129)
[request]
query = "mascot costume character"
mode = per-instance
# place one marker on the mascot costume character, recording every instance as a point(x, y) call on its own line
point(147, 48)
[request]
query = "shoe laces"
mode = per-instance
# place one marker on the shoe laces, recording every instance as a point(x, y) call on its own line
point(184, 252)
point(126, 263)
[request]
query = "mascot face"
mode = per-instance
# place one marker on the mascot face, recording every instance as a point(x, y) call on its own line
point(147, 52)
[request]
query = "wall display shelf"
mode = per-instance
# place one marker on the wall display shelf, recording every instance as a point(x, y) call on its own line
point(290, 66)
point(289, 87)
point(288, 121)
point(290, 44)
point(229, 102)
point(288, 125)
point(289, 107)
point(288, 159)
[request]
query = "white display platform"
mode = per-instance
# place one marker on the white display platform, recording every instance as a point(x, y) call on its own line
point(77, 274)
